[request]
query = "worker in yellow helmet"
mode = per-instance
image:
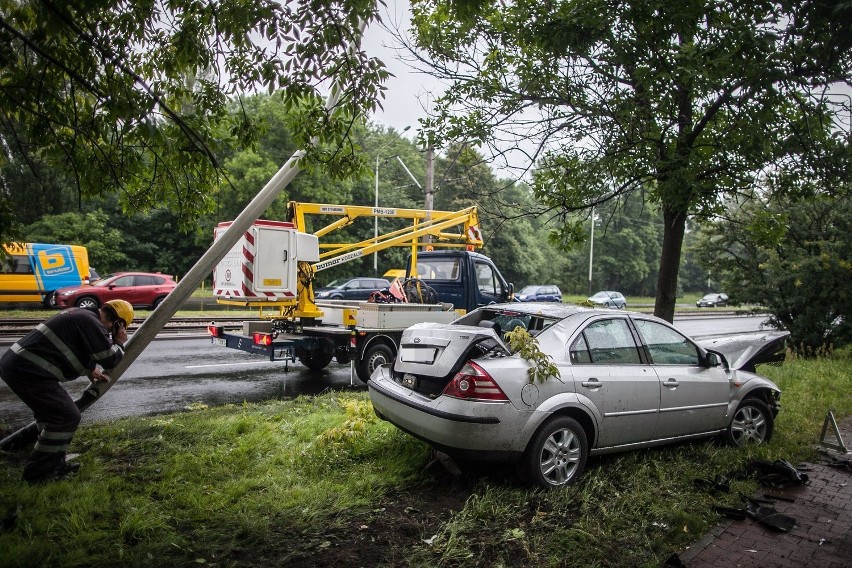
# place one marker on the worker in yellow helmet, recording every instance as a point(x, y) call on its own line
point(70, 344)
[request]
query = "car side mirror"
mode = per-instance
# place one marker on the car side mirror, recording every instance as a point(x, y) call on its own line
point(714, 359)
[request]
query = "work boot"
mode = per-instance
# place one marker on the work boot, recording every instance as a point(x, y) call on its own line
point(66, 469)
point(63, 471)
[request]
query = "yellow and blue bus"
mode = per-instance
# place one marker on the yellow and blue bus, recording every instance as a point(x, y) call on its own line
point(32, 272)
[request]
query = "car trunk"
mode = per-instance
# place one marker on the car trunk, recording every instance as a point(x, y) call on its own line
point(430, 355)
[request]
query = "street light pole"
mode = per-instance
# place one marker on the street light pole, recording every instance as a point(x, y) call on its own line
point(376, 224)
point(591, 250)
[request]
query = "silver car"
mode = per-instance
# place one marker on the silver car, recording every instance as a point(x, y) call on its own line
point(624, 381)
point(609, 299)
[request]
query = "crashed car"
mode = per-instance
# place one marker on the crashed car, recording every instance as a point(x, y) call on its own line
point(624, 381)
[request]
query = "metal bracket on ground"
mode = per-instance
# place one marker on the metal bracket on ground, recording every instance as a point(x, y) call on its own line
point(838, 446)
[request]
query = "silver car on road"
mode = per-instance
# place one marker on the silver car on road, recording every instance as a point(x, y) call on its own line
point(624, 381)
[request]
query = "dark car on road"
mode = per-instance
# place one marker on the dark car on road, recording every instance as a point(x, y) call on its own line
point(539, 294)
point(351, 289)
point(141, 289)
point(714, 300)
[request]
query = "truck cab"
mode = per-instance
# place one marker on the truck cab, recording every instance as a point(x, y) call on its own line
point(463, 278)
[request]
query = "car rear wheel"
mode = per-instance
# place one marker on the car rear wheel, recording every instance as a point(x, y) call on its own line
point(88, 302)
point(556, 455)
point(375, 356)
point(752, 423)
point(157, 303)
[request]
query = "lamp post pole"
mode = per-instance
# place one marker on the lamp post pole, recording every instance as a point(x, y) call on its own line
point(376, 224)
point(591, 250)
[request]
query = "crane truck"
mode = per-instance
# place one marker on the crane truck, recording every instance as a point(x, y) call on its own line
point(273, 268)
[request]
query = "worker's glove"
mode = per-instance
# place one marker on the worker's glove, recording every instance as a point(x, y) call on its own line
point(98, 376)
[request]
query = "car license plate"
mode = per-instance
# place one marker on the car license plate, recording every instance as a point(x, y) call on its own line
point(418, 355)
point(220, 341)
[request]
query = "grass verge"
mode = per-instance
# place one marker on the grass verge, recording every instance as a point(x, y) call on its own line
point(318, 481)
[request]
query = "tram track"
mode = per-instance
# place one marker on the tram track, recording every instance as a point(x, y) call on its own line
point(12, 329)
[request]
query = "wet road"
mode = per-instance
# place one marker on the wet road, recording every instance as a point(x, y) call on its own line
point(174, 373)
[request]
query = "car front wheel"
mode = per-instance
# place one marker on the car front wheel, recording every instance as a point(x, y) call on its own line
point(752, 423)
point(556, 456)
point(87, 302)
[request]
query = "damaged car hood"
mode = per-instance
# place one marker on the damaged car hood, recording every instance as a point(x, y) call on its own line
point(746, 351)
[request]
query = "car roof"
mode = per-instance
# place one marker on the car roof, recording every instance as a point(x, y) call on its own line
point(546, 309)
point(115, 274)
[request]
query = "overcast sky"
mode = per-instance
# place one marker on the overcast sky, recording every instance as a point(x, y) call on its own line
point(407, 91)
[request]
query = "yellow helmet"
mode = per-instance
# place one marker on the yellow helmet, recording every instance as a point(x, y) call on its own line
point(123, 309)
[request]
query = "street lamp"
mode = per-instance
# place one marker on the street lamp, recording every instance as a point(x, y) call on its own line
point(591, 250)
point(376, 218)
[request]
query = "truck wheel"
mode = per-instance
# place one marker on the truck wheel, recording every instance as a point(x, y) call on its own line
point(316, 360)
point(49, 300)
point(374, 357)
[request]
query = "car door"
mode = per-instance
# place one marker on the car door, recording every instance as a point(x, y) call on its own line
point(119, 289)
point(489, 288)
point(146, 289)
point(351, 290)
point(693, 397)
point(608, 373)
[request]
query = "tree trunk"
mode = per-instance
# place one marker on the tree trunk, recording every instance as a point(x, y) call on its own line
point(669, 263)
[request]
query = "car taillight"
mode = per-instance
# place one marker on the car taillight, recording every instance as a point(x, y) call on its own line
point(473, 383)
point(262, 339)
point(216, 330)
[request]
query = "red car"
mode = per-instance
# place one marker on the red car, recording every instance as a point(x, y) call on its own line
point(141, 289)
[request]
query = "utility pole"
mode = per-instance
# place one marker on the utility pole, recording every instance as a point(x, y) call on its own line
point(591, 250)
point(430, 179)
point(430, 185)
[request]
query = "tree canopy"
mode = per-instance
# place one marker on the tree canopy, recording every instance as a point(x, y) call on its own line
point(685, 103)
point(134, 97)
point(793, 257)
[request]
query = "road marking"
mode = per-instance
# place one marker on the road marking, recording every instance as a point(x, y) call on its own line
point(226, 364)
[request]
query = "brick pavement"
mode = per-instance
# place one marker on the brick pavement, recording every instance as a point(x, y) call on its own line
point(822, 537)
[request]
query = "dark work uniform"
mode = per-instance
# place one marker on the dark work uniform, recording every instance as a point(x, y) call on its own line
point(64, 347)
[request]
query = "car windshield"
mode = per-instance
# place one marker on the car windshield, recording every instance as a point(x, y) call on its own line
point(105, 281)
point(528, 290)
point(710, 297)
point(601, 295)
point(337, 283)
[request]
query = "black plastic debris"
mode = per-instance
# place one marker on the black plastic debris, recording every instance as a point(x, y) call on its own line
point(674, 561)
point(842, 463)
point(778, 473)
point(768, 516)
point(760, 512)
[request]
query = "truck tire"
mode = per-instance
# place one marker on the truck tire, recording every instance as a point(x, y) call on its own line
point(319, 357)
point(49, 300)
point(316, 361)
point(375, 356)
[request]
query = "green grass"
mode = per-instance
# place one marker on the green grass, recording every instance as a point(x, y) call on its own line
point(284, 482)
